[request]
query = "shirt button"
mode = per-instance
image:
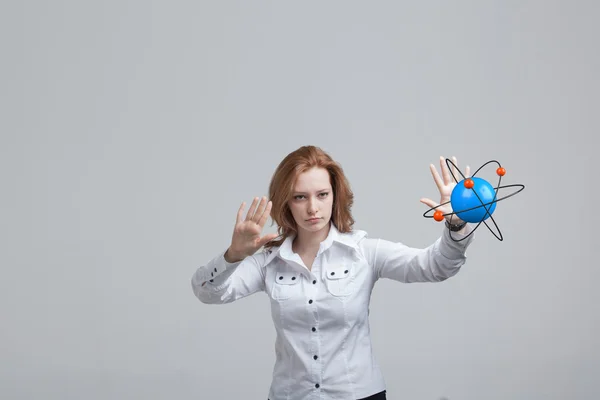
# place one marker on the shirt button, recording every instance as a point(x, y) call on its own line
point(314, 329)
point(314, 282)
point(310, 302)
point(315, 357)
point(317, 386)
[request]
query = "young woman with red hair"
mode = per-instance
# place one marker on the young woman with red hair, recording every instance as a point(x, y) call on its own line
point(319, 273)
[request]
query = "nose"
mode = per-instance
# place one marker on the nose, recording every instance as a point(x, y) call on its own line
point(312, 206)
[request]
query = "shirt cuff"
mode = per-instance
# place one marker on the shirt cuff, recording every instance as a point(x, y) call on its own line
point(217, 270)
point(453, 245)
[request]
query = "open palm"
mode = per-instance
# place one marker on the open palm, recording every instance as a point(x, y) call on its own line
point(445, 184)
point(246, 239)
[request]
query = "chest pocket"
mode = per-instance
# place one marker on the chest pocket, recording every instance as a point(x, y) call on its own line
point(340, 279)
point(286, 285)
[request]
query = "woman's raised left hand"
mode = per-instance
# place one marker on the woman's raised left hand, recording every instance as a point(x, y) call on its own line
point(445, 185)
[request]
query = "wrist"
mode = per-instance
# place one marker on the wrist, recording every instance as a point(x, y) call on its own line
point(232, 256)
point(455, 227)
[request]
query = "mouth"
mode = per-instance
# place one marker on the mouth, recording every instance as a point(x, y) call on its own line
point(313, 219)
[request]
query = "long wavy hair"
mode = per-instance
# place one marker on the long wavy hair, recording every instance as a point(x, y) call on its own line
point(282, 186)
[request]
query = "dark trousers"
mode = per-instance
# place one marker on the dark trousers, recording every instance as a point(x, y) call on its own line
point(376, 396)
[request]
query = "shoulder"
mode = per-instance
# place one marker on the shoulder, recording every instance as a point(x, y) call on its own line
point(363, 245)
point(358, 239)
point(266, 255)
point(356, 236)
point(268, 251)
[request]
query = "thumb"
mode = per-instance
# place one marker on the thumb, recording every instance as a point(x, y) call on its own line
point(267, 238)
point(428, 202)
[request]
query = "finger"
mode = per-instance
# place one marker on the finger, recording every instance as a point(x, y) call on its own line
point(429, 203)
point(240, 213)
point(445, 171)
point(252, 209)
point(456, 170)
point(266, 213)
point(260, 209)
point(436, 177)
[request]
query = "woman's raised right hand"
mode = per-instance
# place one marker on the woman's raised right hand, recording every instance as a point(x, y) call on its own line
point(246, 239)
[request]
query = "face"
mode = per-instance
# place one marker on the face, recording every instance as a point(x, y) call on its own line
point(312, 200)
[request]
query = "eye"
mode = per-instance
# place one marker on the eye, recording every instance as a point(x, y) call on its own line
point(324, 194)
point(298, 197)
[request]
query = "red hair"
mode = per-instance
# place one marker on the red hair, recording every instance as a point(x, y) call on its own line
point(282, 186)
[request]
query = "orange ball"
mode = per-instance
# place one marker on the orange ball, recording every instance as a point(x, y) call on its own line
point(501, 171)
point(438, 216)
point(469, 183)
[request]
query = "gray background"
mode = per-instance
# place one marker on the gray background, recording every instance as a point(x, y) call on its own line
point(132, 131)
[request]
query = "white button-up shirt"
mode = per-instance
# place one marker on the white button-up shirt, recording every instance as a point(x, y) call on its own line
point(321, 316)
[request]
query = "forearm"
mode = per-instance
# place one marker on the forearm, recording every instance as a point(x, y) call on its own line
point(220, 281)
point(435, 263)
point(210, 282)
point(441, 260)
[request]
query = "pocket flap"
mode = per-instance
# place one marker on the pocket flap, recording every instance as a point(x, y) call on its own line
point(338, 272)
point(287, 277)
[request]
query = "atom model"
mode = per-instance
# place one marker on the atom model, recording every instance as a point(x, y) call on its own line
point(475, 198)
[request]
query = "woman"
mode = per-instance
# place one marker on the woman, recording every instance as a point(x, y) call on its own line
point(319, 273)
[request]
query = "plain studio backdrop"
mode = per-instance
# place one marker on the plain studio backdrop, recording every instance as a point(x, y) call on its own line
point(132, 131)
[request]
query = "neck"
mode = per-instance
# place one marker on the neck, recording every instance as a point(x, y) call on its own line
point(310, 241)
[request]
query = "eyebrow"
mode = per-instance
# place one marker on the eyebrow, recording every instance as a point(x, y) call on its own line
point(318, 191)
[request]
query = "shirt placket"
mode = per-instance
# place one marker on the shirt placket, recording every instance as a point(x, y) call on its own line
point(316, 337)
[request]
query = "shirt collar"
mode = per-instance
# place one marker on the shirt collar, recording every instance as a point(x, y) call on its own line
point(334, 236)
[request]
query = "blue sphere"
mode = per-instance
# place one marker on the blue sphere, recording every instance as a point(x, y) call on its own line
point(465, 199)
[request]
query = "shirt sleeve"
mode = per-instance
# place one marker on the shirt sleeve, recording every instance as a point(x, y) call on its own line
point(437, 262)
point(220, 282)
